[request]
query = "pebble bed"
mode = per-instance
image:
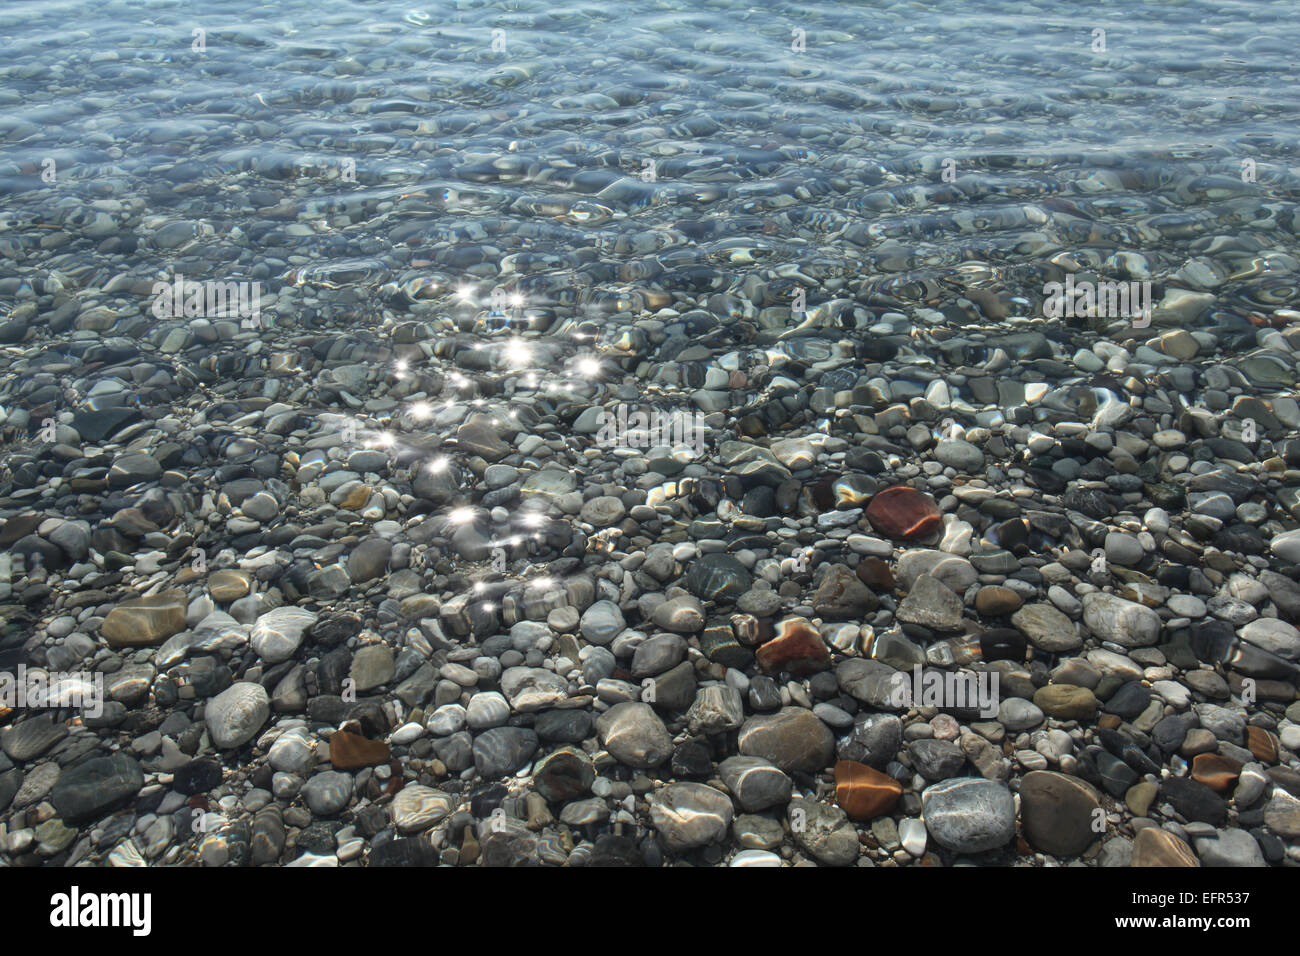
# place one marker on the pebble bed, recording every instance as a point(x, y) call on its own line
point(366, 580)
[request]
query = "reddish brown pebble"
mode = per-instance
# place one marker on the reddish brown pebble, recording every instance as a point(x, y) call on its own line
point(903, 512)
point(875, 574)
point(1216, 772)
point(1262, 743)
point(863, 792)
point(994, 601)
point(798, 648)
point(352, 751)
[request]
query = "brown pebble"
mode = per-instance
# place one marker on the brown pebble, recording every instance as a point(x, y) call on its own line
point(875, 574)
point(1217, 772)
point(1262, 743)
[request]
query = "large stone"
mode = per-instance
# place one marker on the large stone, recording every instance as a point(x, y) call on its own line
point(1229, 848)
point(602, 622)
point(235, 715)
point(503, 750)
point(145, 621)
point(1058, 812)
point(689, 815)
point(824, 832)
point(904, 513)
point(953, 571)
point(416, 808)
point(1066, 701)
point(871, 682)
point(1282, 814)
point(634, 735)
point(1047, 628)
point(717, 708)
point(841, 596)
point(936, 759)
point(755, 783)
point(31, 737)
point(874, 740)
point(563, 775)
point(682, 615)
point(89, 790)
point(717, 577)
point(1121, 622)
point(969, 814)
point(931, 604)
point(531, 689)
point(1217, 772)
point(278, 633)
point(369, 559)
point(228, 585)
point(792, 738)
point(327, 793)
point(1194, 800)
point(372, 666)
point(961, 455)
point(1276, 637)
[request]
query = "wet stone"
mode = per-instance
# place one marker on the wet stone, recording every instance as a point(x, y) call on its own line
point(92, 788)
point(904, 513)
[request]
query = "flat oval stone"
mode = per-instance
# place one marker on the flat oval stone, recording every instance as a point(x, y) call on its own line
point(326, 794)
point(1057, 812)
point(416, 807)
point(31, 738)
point(634, 735)
point(792, 738)
point(688, 815)
point(145, 621)
point(563, 775)
point(235, 715)
point(904, 513)
point(969, 814)
point(90, 789)
point(718, 577)
point(503, 750)
point(757, 784)
point(1194, 800)
point(995, 601)
point(1121, 622)
point(1047, 628)
point(1066, 701)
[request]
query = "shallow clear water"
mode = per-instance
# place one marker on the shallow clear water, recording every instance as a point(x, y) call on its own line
point(669, 146)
